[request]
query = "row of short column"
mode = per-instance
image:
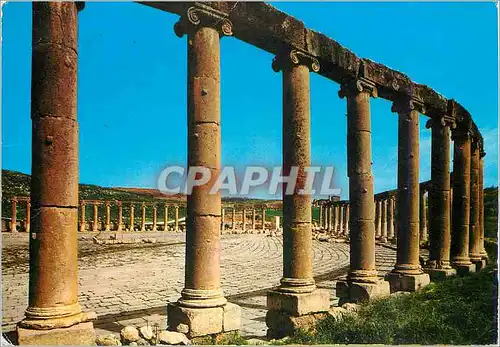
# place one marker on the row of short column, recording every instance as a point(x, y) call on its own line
point(14, 210)
point(106, 224)
point(334, 218)
point(245, 219)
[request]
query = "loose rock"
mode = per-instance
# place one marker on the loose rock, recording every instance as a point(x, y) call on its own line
point(108, 340)
point(129, 334)
point(146, 332)
point(173, 338)
point(350, 307)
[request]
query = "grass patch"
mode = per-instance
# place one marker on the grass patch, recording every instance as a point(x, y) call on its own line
point(460, 310)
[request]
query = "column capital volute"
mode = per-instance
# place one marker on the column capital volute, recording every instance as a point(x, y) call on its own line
point(441, 122)
point(482, 153)
point(80, 5)
point(463, 130)
point(293, 57)
point(406, 104)
point(356, 86)
point(202, 16)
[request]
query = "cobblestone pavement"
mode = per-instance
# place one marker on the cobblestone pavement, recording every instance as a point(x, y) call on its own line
point(130, 284)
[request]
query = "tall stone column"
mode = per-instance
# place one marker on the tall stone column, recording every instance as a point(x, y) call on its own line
point(423, 217)
point(108, 216)
point(461, 200)
point(334, 218)
point(253, 219)
point(13, 220)
point(438, 265)
point(202, 299)
point(383, 231)
point(297, 295)
point(263, 218)
point(54, 316)
point(82, 215)
point(143, 217)
point(341, 219)
point(95, 220)
point(165, 218)
point(378, 219)
point(482, 154)
point(329, 218)
point(132, 222)
point(27, 217)
point(233, 219)
point(390, 218)
point(407, 274)
point(155, 221)
point(347, 216)
point(474, 229)
point(244, 217)
point(120, 217)
point(362, 281)
point(320, 216)
point(176, 219)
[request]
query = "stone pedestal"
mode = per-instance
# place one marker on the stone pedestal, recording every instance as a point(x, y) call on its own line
point(407, 282)
point(359, 291)
point(465, 269)
point(81, 334)
point(440, 274)
point(479, 264)
point(203, 321)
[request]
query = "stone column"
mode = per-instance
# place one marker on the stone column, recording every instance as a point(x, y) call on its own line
point(482, 153)
point(297, 294)
point(165, 219)
point(108, 216)
point(362, 281)
point(82, 215)
point(461, 200)
point(54, 316)
point(329, 218)
point(132, 222)
point(202, 299)
point(176, 219)
point(383, 231)
point(95, 220)
point(263, 218)
point(253, 219)
point(155, 211)
point(143, 217)
point(341, 219)
point(233, 219)
point(222, 219)
point(244, 217)
point(390, 218)
point(474, 229)
point(407, 274)
point(27, 217)
point(378, 219)
point(13, 220)
point(423, 217)
point(347, 216)
point(120, 217)
point(334, 218)
point(321, 216)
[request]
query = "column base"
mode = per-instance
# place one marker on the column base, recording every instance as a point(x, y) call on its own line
point(81, 334)
point(480, 264)
point(299, 304)
point(464, 269)
point(281, 323)
point(203, 321)
point(440, 274)
point(348, 291)
point(407, 283)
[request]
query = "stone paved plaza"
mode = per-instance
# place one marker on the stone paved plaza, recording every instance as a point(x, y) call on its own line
point(130, 284)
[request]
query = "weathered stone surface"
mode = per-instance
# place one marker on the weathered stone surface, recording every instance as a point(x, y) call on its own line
point(129, 334)
point(282, 324)
point(359, 291)
point(146, 332)
point(440, 274)
point(337, 313)
point(351, 307)
point(201, 321)
point(299, 304)
point(406, 282)
point(173, 338)
point(232, 317)
point(108, 340)
point(82, 334)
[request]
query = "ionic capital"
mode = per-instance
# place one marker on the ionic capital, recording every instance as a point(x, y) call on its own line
point(293, 57)
point(482, 153)
point(405, 105)
point(441, 123)
point(356, 86)
point(201, 16)
point(463, 130)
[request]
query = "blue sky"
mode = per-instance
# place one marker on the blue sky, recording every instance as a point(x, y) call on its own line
point(132, 87)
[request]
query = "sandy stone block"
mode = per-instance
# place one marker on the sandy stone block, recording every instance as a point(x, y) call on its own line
point(440, 274)
point(201, 321)
point(464, 270)
point(357, 292)
point(407, 283)
point(232, 317)
point(299, 304)
point(282, 324)
point(55, 162)
point(82, 334)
